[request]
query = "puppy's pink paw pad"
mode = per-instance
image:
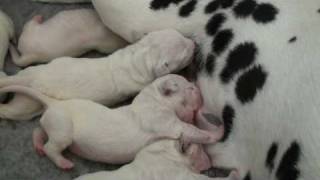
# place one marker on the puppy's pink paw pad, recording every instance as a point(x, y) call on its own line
point(39, 149)
point(66, 164)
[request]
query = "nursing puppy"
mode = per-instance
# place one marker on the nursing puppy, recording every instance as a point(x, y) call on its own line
point(116, 135)
point(41, 42)
point(106, 80)
point(6, 33)
point(161, 160)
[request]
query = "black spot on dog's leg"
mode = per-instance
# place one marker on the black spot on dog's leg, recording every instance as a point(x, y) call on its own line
point(247, 177)
point(162, 4)
point(222, 40)
point(188, 8)
point(210, 63)
point(215, 23)
point(288, 165)
point(272, 153)
point(226, 3)
point(245, 8)
point(265, 13)
point(250, 83)
point(212, 6)
point(318, 10)
point(228, 115)
point(242, 56)
point(293, 39)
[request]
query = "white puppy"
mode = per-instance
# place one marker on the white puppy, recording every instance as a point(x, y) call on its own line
point(106, 80)
point(116, 135)
point(6, 33)
point(69, 33)
point(161, 160)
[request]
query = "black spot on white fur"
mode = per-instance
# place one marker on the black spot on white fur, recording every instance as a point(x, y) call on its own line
point(188, 8)
point(163, 4)
point(222, 40)
point(228, 115)
point(272, 153)
point(288, 169)
point(265, 13)
point(293, 39)
point(247, 177)
point(215, 23)
point(212, 6)
point(210, 64)
point(226, 3)
point(241, 57)
point(249, 83)
point(244, 8)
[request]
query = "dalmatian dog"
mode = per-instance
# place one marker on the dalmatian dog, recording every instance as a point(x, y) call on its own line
point(116, 135)
point(158, 161)
point(258, 68)
point(6, 34)
point(108, 80)
point(40, 42)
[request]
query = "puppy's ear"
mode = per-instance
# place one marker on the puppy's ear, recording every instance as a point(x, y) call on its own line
point(168, 88)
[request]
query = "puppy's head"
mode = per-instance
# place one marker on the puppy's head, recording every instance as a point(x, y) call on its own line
point(180, 95)
point(169, 51)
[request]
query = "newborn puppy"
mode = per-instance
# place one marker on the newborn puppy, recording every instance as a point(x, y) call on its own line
point(161, 160)
point(6, 33)
point(116, 135)
point(69, 33)
point(106, 80)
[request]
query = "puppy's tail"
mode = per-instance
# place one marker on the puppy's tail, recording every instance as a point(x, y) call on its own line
point(43, 99)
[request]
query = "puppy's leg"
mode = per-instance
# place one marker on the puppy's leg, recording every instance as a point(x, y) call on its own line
point(20, 108)
point(38, 139)
point(199, 158)
point(190, 133)
point(58, 125)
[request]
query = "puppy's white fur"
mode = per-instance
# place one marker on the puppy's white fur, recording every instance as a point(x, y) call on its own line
point(161, 160)
point(116, 135)
point(6, 33)
point(80, 30)
point(104, 80)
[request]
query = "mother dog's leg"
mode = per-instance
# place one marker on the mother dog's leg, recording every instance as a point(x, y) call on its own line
point(20, 108)
point(133, 19)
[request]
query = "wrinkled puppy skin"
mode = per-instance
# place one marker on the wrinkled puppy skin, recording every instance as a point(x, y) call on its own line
point(108, 80)
point(69, 33)
point(158, 161)
point(115, 136)
point(6, 34)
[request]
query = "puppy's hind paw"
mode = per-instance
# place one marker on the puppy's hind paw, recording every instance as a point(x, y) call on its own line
point(65, 164)
point(39, 149)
